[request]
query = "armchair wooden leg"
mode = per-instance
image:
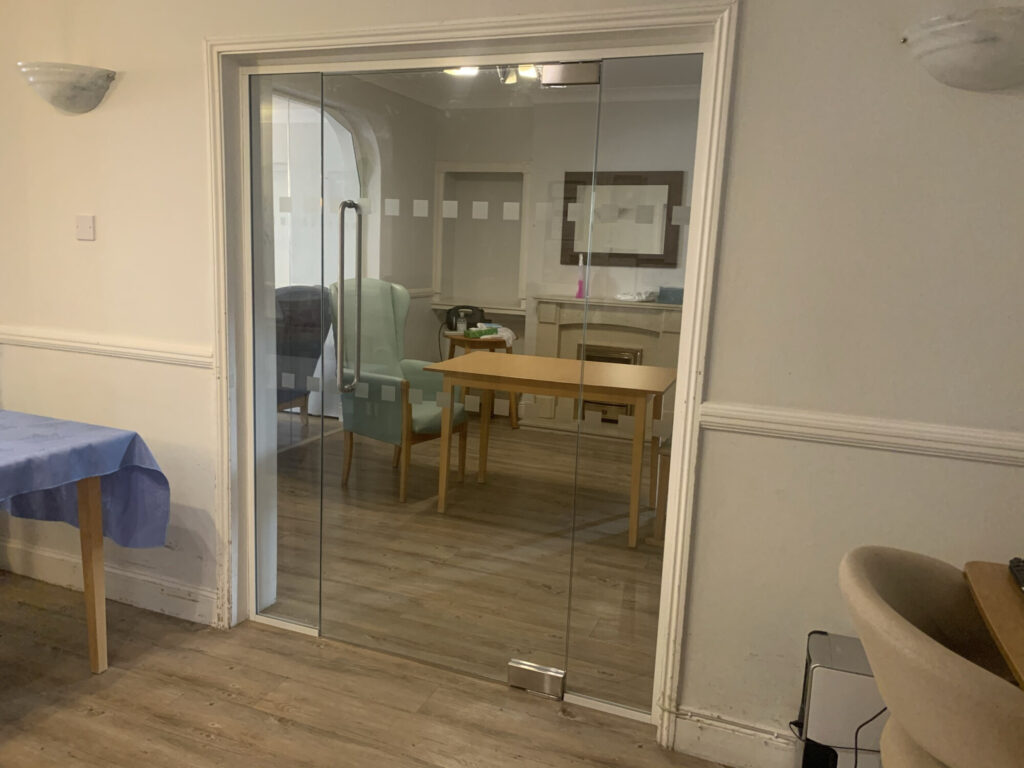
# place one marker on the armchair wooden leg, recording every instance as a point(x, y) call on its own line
point(406, 441)
point(463, 439)
point(349, 444)
point(662, 502)
point(655, 445)
point(396, 457)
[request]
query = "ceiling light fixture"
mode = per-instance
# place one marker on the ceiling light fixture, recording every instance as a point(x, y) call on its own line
point(463, 71)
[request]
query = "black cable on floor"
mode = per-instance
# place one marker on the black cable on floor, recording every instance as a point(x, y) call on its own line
point(856, 734)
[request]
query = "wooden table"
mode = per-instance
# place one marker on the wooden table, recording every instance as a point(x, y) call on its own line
point(558, 377)
point(1001, 604)
point(102, 480)
point(489, 343)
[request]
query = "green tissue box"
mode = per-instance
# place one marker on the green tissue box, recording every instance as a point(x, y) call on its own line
point(476, 333)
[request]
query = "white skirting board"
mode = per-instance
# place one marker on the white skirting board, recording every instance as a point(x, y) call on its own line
point(734, 744)
point(124, 585)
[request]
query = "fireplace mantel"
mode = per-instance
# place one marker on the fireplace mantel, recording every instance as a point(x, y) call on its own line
point(647, 326)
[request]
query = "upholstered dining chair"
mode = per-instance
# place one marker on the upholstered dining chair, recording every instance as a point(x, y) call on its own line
point(949, 692)
point(301, 333)
point(394, 401)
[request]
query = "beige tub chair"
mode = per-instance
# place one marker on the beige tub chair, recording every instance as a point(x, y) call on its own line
point(950, 697)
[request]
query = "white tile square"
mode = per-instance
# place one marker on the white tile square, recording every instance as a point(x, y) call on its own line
point(391, 206)
point(288, 381)
point(313, 383)
point(415, 396)
point(420, 208)
point(510, 211)
point(662, 428)
point(645, 214)
point(501, 407)
point(592, 420)
point(574, 211)
point(680, 215)
point(473, 403)
point(479, 209)
point(450, 209)
point(387, 393)
point(443, 399)
point(625, 425)
point(362, 389)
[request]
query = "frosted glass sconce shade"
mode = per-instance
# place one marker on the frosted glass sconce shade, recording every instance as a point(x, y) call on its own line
point(68, 87)
point(981, 50)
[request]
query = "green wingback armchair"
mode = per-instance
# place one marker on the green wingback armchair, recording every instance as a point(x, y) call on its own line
point(395, 399)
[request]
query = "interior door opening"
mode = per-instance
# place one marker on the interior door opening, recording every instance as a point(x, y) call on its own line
point(511, 260)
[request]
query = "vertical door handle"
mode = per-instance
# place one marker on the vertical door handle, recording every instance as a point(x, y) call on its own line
point(341, 293)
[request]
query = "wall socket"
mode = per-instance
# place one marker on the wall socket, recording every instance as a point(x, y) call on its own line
point(85, 227)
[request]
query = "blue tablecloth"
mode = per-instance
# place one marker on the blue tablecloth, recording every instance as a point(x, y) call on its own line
point(42, 459)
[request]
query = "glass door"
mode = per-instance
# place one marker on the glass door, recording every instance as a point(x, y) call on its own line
point(461, 226)
point(635, 222)
point(291, 342)
point(467, 244)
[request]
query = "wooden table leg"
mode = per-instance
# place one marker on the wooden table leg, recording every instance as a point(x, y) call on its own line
point(636, 476)
point(655, 445)
point(90, 528)
point(451, 348)
point(446, 444)
point(487, 401)
point(513, 401)
point(463, 436)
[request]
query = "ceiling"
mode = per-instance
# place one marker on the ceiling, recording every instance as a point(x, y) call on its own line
point(647, 78)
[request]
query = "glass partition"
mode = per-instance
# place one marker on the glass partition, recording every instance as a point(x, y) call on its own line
point(636, 213)
point(467, 288)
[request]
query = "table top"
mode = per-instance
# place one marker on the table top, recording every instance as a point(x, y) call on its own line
point(1001, 603)
point(559, 371)
point(42, 459)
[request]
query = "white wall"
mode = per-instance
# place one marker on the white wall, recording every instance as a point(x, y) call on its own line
point(555, 138)
point(870, 263)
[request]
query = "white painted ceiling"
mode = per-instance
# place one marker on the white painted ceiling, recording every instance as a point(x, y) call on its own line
point(653, 77)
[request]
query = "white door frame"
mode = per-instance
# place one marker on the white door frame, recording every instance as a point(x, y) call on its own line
point(705, 27)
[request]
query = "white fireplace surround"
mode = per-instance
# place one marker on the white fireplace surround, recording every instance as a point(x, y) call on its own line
point(647, 326)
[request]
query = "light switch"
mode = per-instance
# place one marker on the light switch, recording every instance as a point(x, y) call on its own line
point(85, 227)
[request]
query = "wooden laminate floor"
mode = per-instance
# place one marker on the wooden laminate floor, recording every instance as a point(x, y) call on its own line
point(179, 694)
point(492, 578)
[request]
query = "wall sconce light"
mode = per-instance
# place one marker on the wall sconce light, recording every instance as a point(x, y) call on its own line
point(980, 50)
point(69, 87)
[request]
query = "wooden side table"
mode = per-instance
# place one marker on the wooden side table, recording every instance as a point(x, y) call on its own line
point(1001, 606)
point(489, 343)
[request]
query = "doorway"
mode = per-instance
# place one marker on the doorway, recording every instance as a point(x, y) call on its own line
point(550, 202)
